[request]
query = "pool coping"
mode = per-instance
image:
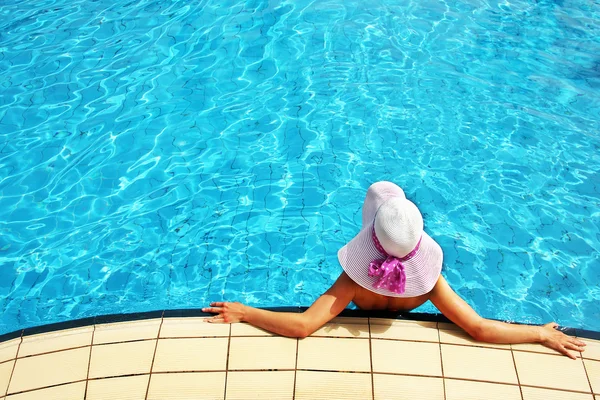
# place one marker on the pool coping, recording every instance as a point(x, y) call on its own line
point(162, 354)
point(197, 312)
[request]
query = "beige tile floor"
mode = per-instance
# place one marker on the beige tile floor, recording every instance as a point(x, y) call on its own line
point(350, 358)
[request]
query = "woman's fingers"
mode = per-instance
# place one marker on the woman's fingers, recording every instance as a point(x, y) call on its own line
point(573, 346)
point(215, 307)
point(576, 347)
point(570, 346)
point(227, 312)
point(562, 349)
point(215, 310)
point(577, 342)
point(561, 342)
point(216, 318)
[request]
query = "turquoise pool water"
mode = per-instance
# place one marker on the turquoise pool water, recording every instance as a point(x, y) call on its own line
point(164, 154)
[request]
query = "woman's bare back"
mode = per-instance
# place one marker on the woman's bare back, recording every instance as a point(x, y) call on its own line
point(367, 300)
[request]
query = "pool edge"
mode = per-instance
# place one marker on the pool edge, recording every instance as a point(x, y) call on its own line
point(197, 312)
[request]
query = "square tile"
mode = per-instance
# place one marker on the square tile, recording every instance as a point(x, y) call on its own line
point(478, 363)
point(344, 330)
point(260, 385)
point(593, 372)
point(329, 354)
point(41, 371)
point(404, 330)
point(312, 385)
point(530, 393)
point(401, 387)
point(556, 372)
point(592, 350)
point(54, 341)
point(127, 331)
point(410, 358)
point(458, 336)
point(124, 388)
point(181, 355)
point(470, 390)
point(262, 353)
point(6, 369)
point(8, 349)
point(192, 328)
point(244, 329)
point(72, 391)
point(534, 348)
point(191, 385)
point(122, 359)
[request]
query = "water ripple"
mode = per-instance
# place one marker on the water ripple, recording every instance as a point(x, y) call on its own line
point(163, 154)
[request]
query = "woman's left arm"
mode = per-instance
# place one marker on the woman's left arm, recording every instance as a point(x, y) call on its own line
point(458, 311)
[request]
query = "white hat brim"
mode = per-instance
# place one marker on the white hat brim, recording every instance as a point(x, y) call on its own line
point(422, 270)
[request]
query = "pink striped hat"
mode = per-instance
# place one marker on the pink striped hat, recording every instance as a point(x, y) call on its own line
point(392, 255)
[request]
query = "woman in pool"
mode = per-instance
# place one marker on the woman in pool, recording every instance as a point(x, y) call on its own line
point(392, 264)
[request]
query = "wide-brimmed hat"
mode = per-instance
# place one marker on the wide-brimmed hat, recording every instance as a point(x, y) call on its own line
point(392, 255)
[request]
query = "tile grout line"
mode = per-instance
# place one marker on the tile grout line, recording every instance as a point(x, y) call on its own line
point(55, 351)
point(14, 365)
point(371, 361)
point(587, 376)
point(123, 376)
point(511, 384)
point(313, 370)
point(125, 341)
point(87, 377)
point(207, 371)
point(558, 389)
point(449, 378)
point(512, 354)
point(46, 387)
point(100, 345)
point(475, 345)
point(227, 363)
point(295, 369)
point(441, 359)
point(318, 370)
point(329, 370)
point(162, 319)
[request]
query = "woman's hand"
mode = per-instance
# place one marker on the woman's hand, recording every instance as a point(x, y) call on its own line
point(458, 311)
point(227, 313)
point(556, 340)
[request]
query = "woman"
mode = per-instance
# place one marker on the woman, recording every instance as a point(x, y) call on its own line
point(392, 264)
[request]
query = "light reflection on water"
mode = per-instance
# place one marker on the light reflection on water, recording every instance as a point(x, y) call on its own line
point(164, 154)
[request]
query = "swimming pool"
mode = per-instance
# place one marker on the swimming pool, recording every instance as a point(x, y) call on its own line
point(164, 154)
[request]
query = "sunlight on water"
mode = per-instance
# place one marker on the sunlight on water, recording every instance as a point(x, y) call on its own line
point(164, 154)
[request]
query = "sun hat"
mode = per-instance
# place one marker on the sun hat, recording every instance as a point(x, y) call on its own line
point(392, 255)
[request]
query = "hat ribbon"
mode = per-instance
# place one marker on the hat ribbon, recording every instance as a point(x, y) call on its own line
point(390, 270)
